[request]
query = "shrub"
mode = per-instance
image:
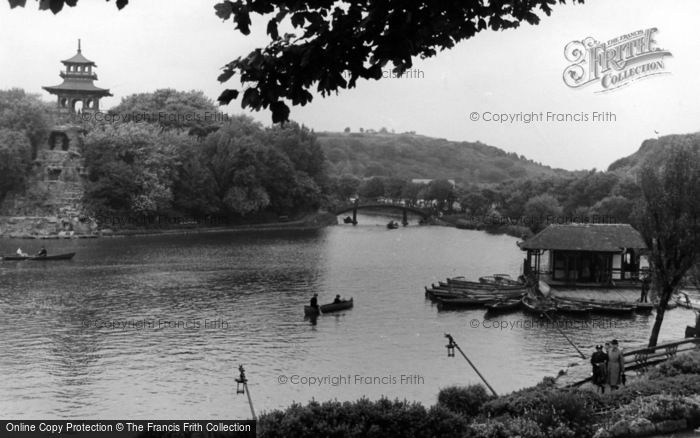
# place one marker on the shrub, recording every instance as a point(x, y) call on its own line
point(464, 400)
point(557, 412)
point(362, 418)
point(684, 385)
point(661, 407)
point(684, 364)
point(506, 427)
point(565, 414)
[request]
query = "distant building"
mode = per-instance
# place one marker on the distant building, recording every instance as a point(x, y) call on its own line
point(585, 254)
point(77, 92)
point(428, 181)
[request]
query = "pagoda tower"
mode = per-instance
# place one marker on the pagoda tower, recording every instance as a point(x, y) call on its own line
point(77, 86)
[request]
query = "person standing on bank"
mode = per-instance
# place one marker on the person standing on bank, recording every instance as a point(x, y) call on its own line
point(646, 281)
point(599, 360)
point(616, 366)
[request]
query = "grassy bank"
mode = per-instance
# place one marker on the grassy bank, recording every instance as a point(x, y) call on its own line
point(662, 401)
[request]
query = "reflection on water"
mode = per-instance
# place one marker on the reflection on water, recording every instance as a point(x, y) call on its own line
point(156, 327)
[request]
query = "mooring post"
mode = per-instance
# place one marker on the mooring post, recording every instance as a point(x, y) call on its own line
point(354, 212)
point(450, 353)
point(405, 217)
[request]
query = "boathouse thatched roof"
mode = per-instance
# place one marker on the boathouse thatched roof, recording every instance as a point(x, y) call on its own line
point(586, 237)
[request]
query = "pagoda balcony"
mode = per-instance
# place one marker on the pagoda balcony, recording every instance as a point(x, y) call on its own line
point(78, 75)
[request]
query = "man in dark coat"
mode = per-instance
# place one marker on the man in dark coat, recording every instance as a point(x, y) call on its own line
point(599, 360)
point(646, 281)
point(314, 301)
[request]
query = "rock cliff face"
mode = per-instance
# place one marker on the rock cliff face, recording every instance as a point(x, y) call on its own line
point(52, 205)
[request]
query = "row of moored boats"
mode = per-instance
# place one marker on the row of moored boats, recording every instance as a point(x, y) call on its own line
point(500, 293)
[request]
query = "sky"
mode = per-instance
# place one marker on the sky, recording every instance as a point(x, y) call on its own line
point(182, 44)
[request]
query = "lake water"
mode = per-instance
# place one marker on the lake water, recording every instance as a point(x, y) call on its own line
point(155, 327)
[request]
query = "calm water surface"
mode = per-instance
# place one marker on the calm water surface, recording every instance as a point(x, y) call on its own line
point(155, 327)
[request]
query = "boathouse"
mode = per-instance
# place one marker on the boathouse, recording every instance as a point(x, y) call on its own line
point(594, 254)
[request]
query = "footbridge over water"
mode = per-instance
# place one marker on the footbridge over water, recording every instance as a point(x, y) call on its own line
point(424, 213)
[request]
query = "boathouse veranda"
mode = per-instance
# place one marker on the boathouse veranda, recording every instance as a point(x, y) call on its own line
point(588, 259)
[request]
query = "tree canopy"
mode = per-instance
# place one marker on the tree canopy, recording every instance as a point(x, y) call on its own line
point(171, 108)
point(327, 45)
point(668, 219)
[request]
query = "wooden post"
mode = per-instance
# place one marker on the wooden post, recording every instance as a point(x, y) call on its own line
point(405, 218)
point(354, 212)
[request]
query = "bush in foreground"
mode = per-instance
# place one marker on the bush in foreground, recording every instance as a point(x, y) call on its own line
point(668, 392)
point(464, 400)
point(364, 418)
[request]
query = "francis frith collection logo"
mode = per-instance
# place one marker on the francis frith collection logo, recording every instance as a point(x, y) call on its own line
point(614, 63)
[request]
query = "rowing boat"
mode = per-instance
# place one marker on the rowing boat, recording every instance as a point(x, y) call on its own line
point(504, 305)
point(439, 292)
point(573, 309)
point(444, 303)
point(66, 256)
point(500, 280)
point(643, 307)
point(329, 308)
point(463, 282)
point(538, 306)
point(614, 307)
point(482, 288)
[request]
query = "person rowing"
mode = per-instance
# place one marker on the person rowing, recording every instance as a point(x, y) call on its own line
point(42, 252)
point(314, 302)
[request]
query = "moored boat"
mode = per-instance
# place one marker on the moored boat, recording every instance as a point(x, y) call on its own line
point(573, 309)
point(440, 292)
point(500, 280)
point(611, 307)
point(502, 306)
point(644, 307)
point(484, 290)
point(463, 282)
point(538, 306)
point(392, 225)
point(444, 303)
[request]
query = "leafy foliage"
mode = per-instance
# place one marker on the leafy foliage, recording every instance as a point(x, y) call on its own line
point(170, 108)
point(466, 401)
point(668, 219)
point(329, 45)
point(131, 168)
point(56, 6)
point(407, 156)
point(333, 44)
point(24, 112)
point(541, 209)
point(363, 418)
point(15, 161)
